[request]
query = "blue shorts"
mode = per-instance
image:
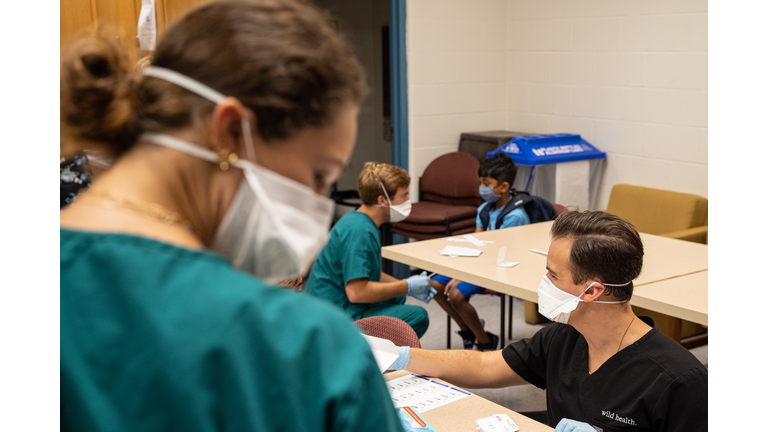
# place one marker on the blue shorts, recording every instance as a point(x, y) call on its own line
point(466, 289)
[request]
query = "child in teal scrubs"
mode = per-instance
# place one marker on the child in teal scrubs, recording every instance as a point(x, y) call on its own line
point(348, 270)
point(497, 174)
point(224, 150)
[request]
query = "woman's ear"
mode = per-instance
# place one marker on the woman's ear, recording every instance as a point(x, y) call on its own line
point(226, 132)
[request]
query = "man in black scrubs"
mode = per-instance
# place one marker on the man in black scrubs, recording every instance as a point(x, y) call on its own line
point(604, 369)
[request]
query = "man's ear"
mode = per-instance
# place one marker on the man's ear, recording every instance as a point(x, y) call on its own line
point(382, 201)
point(594, 292)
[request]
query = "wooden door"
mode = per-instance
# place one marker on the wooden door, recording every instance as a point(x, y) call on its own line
point(118, 17)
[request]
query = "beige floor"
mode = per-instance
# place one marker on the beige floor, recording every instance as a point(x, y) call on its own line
point(522, 398)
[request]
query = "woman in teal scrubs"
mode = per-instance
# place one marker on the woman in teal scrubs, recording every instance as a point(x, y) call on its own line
point(224, 149)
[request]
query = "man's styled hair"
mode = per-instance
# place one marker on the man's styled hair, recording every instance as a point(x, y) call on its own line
point(392, 177)
point(605, 248)
point(499, 167)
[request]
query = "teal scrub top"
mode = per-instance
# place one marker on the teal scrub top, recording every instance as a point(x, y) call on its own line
point(353, 251)
point(514, 218)
point(155, 338)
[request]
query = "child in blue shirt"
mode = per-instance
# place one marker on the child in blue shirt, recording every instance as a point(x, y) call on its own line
point(497, 174)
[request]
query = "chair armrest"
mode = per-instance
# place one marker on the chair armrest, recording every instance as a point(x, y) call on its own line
point(696, 234)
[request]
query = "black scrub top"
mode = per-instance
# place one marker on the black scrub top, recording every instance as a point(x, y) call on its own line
point(655, 384)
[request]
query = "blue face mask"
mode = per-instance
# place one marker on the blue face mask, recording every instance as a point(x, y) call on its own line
point(486, 193)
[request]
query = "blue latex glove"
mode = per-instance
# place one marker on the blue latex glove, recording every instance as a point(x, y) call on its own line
point(406, 424)
point(568, 425)
point(419, 287)
point(429, 296)
point(402, 361)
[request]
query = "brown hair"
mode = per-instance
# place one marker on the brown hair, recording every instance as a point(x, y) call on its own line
point(280, 58)
point(605, 248)
point(392, 177)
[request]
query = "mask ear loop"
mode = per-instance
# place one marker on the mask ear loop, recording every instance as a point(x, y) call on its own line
point(386, 195)
point(204, 91)
point(385, 191)
point(605, 302)
point(250, 151)
point(617, 285)
point(184, 81)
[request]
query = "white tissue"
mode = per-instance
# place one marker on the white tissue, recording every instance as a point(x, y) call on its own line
point(455, 251)
point(502, 256)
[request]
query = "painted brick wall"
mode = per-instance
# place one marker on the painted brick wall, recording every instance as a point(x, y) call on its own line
point(629, 76)
point(457, 79)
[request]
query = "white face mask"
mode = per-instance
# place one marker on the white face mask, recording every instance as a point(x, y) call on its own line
point(557, 305)
point(397, 213)
point(275, 226)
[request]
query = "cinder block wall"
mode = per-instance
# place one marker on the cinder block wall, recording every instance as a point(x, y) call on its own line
point(629, 76)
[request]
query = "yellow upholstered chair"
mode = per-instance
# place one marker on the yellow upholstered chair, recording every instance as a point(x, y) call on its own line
point(664, 213)
point(660, 212)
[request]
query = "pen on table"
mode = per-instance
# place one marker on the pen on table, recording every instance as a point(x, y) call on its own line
point(538, 251)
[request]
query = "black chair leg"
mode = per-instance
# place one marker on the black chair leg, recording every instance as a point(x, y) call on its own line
point(501, 320)
point(387, 266)
point(509, 333)
point(448, 326)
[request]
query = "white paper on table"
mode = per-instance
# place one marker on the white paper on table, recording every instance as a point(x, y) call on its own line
point(538, 251)
point(422, 393)
point(497, 423)
point(455, 251)
point(474, 240)
point(502, 256)
point(384, 351)
point(461, 239)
